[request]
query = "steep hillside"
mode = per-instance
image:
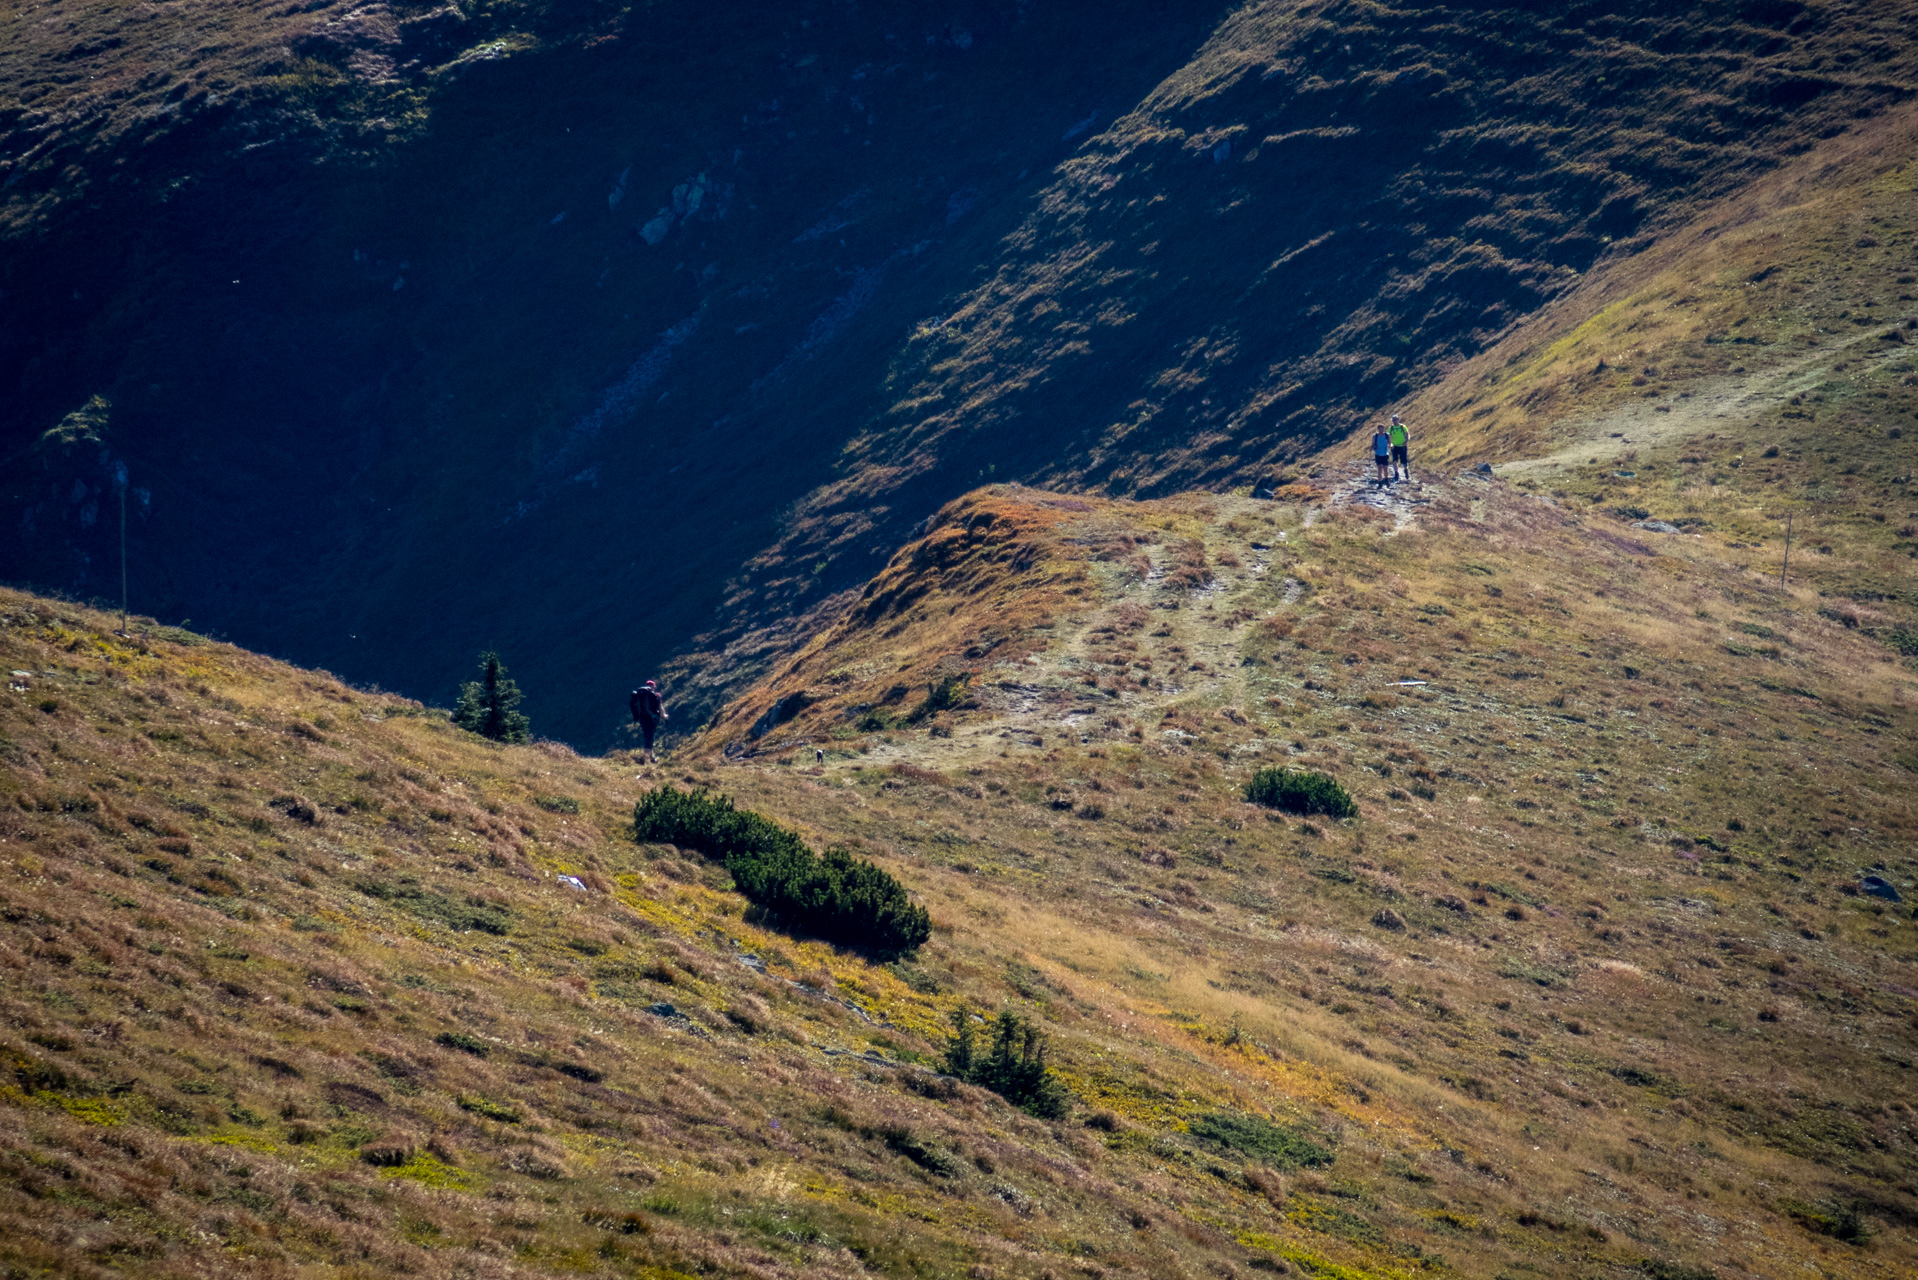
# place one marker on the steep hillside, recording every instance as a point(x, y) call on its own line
point(418, 329)
point(1330, 207)
point(525, 306)
point(1786, 314)
point(1616, 790)
point(1589, 986)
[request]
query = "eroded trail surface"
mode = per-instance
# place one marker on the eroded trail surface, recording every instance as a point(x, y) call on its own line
point(1727, 404)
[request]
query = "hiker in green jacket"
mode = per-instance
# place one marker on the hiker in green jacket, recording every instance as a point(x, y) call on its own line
point(1401, 438)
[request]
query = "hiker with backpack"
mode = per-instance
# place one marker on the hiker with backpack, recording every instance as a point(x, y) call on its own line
point(1400, 436)
point(648, 710)
point(1381, 452)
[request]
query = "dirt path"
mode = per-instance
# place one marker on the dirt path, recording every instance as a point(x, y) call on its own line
point(1727, 403)
point(1401, 499)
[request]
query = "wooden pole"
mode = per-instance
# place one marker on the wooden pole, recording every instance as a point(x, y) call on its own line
point(123, 553)
point(1787, 564)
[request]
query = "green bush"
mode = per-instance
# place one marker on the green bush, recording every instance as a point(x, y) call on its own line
point(838, 897)
point(1014, 1067)
point(1297, 791)
point(464, 1043)
point(1259, 1138)
point(942, 695)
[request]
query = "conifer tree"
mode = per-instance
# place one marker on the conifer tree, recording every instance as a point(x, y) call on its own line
point(487, 705)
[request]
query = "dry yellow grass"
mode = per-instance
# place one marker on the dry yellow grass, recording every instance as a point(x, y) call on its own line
point(1588, 988)
point(1601, 1025)
point(1602, 821)
point(1802, 288)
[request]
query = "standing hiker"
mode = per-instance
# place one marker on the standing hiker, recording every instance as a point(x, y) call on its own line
point(1401, 438)
point(1381, 451)
point(648, 710)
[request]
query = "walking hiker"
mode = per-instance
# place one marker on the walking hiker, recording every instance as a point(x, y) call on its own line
point(1381, 452)
point(1401, 438)
point(648, 710)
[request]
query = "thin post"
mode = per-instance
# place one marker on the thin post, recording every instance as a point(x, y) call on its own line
point(1787, 564)
point(123, 549)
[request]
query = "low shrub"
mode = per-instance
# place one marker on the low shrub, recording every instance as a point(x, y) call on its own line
point(943, 694)
point(1835, 1218)
point(464, 1043)
point(1298, 791)
point(1014, 1067)
point(837, 897)
point(1259, 1138)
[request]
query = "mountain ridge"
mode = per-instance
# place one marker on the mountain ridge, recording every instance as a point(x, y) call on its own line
point(361, 409)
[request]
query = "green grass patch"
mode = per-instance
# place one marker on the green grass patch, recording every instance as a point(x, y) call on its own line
point(458, 914)
point(480, 1105)
point(429, 1172)
point(464, 1043)
point(1519, 969)
point(1332, 1220)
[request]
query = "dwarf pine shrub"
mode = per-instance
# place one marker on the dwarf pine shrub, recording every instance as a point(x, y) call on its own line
point(1014, 1067)
point(942, 695)
point(1259, 1138)
point(1299, 791)
point(837, 897)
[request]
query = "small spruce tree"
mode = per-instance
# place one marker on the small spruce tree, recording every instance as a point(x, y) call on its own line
point(1014, 1067)
point(487, 705)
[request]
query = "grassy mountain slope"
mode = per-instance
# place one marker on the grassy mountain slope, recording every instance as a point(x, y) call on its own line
point(1592, 823)
point(557, 286)
point(1786, 313)
point(1586, 988)
point(1331, 207)
point(392, 352)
